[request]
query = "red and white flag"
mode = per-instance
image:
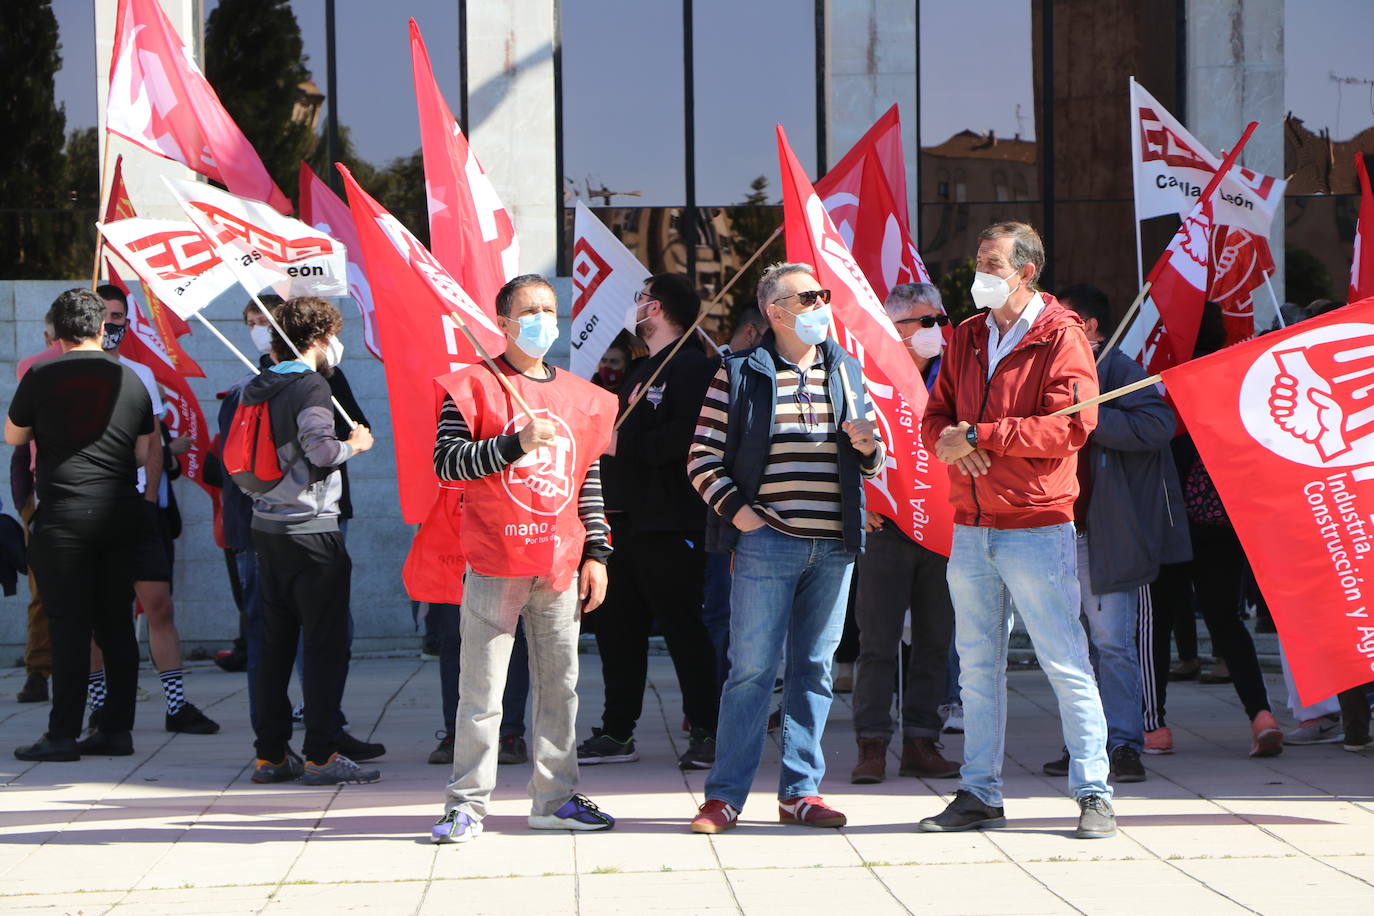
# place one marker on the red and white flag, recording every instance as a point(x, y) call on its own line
point(322, 208)
point(159, 100)
point(1165, 331)
point(1241, 262)
point(882, 247)
point(1285, 425)
point(261, 246)
point(1171, 168)
point(470, 231)
point(1362, 260)
point(912, 489)
point(605, 278)
point(174, 260)
point(415, 301)
point(166, 323)
point(841, 188)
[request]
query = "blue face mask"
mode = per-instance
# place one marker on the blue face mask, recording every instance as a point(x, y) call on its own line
point(812, 326)
point(537, 334)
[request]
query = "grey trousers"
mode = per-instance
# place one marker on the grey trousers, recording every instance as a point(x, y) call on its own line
point(491, 607)
point(895, 573)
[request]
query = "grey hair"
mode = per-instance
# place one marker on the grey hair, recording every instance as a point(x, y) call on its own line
point(1027, 248)
point(906, 295)
point(768, 283)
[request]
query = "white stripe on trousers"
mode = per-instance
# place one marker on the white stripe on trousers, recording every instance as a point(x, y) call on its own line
point(1145, 656)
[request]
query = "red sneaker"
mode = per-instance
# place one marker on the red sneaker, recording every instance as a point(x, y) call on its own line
point(715, 816)
point(811, 811)
point(1159, 741)
point(1268, 737)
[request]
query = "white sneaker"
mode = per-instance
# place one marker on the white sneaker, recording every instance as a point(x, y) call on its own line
point(1323, 730)
point(953, 714)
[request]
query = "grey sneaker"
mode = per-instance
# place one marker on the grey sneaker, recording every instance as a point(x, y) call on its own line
point(455, 827)
point(291, 767)
point(1096, 819)
point(1322, 730)
point(336, 771)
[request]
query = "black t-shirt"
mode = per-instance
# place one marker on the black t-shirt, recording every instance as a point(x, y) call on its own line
point(86, 410)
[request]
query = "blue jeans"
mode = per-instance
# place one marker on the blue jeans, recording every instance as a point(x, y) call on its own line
point(1036, 568)
point(1111, 621)
point(787, 592)
point(715, 611)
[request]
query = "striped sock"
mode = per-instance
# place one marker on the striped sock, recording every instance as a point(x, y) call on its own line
point(174, 689)
point(95, 690)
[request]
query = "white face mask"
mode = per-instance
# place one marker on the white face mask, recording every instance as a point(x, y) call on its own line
point(333, 352)
point(990, 291)
point(927, 342)
point(261, 335)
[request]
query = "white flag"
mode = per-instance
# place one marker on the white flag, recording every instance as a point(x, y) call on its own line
point(1171, 168)
point(269, 249)
point(173, 258)
point(605, 278)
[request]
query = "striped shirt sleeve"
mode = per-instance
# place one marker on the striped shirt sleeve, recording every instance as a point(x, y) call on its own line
point(457, 456)
point(870, 465)
point(706, 457)
point(591, 509)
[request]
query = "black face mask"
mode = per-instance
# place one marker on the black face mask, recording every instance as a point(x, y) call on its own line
point(114, 333)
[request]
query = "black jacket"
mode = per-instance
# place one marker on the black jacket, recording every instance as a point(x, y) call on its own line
point(647, 477)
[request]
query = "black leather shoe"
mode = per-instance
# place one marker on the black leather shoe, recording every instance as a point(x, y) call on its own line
point(355, 749)
point(966, 812)
point(49, 749)
point(106, 744)
point(1058, 767)
point(35, 689)
point(191, 721)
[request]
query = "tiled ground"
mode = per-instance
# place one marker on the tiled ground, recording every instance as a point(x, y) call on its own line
point(179, 829)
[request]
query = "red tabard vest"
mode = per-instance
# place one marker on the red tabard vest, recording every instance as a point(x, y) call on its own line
point(523, 521)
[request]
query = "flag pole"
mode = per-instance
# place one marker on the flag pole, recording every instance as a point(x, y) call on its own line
point(1135, 165)
point(1274, 296)
point(1108, 396)
point(1125, 320)
point(224, 340)
point(701, 316)
point(491, 364)
point(844, 380)
point(100, 213)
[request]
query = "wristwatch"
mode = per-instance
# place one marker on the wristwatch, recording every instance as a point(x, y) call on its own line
point(971, 435)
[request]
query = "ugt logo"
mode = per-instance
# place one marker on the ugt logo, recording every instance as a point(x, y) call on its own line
point(541, 481)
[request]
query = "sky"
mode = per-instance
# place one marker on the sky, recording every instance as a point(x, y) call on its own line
point(623, 79)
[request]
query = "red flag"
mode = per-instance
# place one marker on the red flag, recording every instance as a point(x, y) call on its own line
point(911, 490)
point(415, 299)
point(167, 323)
point(470, 231)
point(1240, 263)
point(434, 567)
point(1285, 424)
point(882, 248)
point(1362, 261)
point(321, 208)
point(159, 100)
point(841, 188)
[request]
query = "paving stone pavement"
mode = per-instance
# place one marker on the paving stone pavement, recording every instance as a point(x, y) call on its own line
point(178, 828)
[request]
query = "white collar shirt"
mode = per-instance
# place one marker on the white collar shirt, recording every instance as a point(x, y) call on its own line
point(999, 344)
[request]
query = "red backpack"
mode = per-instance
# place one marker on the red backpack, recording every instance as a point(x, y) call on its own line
point(250, 451)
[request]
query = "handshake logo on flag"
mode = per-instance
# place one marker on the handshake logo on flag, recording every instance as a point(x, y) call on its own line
point(541, 481)
point(1310, 399)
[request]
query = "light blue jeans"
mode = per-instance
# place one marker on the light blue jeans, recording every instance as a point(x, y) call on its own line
point(1036, 568)
point(1111, 620)
point(787, 591)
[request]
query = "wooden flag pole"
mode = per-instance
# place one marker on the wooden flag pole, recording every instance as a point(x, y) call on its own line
point(1125, 322)
point(254, 367)
point(701, 316)
point(1109, 396)
point(491, 364)
point(100, 214)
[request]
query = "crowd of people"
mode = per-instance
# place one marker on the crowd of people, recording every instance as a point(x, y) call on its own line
point(725, 510)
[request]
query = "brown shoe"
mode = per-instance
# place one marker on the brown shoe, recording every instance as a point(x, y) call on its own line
point(921, 757)
point(872, 766)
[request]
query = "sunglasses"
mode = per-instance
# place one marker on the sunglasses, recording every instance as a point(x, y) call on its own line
point(927, 321)
point(808, 296)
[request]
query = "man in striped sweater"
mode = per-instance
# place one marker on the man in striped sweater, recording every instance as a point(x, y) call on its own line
point(779, 456)
point(535, 535)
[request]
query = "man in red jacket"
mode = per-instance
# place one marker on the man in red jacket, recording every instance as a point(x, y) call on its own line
point(1013, 481)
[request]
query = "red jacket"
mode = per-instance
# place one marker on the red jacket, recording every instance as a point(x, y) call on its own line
point(1033, 479)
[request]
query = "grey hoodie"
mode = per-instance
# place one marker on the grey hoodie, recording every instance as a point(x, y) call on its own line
point(307, 499)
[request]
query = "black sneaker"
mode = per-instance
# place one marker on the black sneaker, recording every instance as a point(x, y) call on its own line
point(1126, 765)
point(602, 748)
point(49, 749)
point(1058, 767)
point(355, 749)
point(291, 767)
point(443, 754)
point(1096, 819)
point(35, 689)
point(513, 752)
point(191, 721)
point(966, 812)
point(106, 744)
point(701, 751)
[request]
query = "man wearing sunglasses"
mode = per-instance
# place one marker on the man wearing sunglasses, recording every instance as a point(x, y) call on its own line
point(896, 573)
point(1013, 483)
point(779, 456)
